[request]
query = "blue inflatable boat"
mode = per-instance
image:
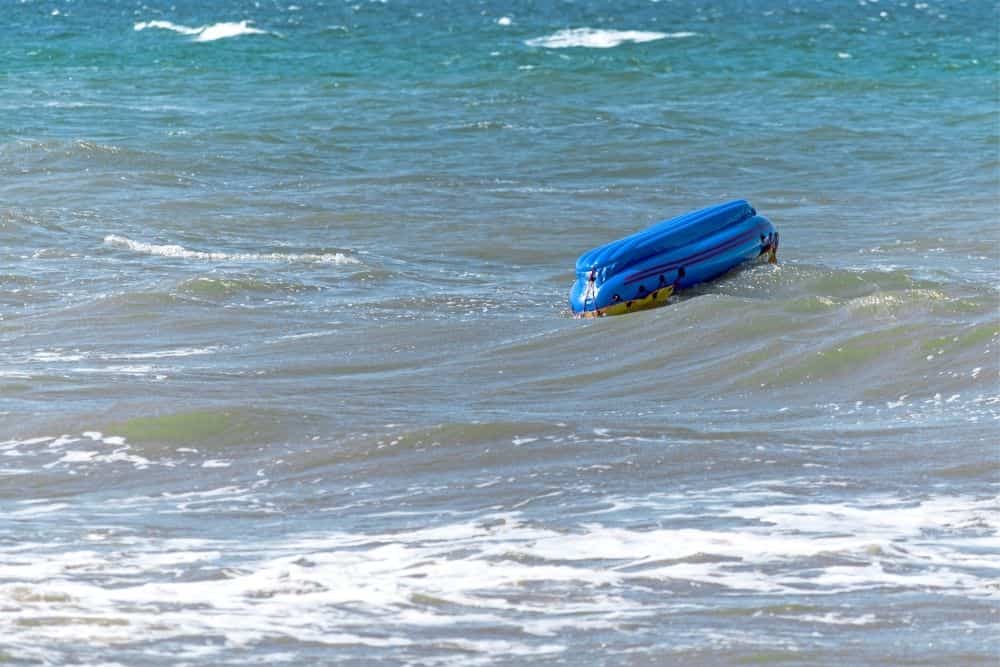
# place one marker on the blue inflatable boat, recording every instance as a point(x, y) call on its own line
point(642, 271)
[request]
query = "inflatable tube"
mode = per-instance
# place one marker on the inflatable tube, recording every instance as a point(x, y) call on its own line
point(642, 271)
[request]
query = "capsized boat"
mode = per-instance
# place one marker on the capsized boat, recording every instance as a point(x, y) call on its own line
point(642, 270)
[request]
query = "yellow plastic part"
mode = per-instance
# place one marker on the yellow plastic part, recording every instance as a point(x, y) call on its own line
point(652, 300)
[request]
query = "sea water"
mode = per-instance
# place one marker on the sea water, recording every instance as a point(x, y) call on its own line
point(287, 373)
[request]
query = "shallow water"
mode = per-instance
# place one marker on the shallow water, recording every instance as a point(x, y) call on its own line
point(287, 373)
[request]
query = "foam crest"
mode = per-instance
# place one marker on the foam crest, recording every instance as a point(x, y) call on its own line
point(61, 355)
point(205, 33)
point(84, 453)
point(73, 452)
point(592, 38)
point(326, 586)
point(166, 25)
point(231, 29)
point(180, 252)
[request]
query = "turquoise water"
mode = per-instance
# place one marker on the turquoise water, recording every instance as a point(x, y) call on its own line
point(287, 373)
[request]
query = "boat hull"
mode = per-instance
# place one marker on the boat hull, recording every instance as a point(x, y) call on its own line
point(641, 271)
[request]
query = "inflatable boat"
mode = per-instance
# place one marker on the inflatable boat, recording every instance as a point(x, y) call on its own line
point(642, 271)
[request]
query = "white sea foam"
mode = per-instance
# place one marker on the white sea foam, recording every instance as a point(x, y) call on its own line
point(75, 453)
point(60, 355)
point(205, 33)
point(163, 354)
point(325, 587)
point(49, 356)
point(224, 30)
point(592, 38)
point(167, 25)
point(178, 251)
point(128, 369)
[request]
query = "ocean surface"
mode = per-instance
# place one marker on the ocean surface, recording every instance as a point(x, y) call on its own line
point(287, 372)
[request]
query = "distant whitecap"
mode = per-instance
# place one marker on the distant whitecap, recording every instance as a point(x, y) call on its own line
point(178, 251)
point(205, 33)
point(166, 25)
point(600, 39)
point(223, 30)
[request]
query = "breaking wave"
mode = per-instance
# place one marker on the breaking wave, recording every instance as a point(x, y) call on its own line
point(592, 38)
point(545, 583)
point(178, 251)
point(205, 33)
